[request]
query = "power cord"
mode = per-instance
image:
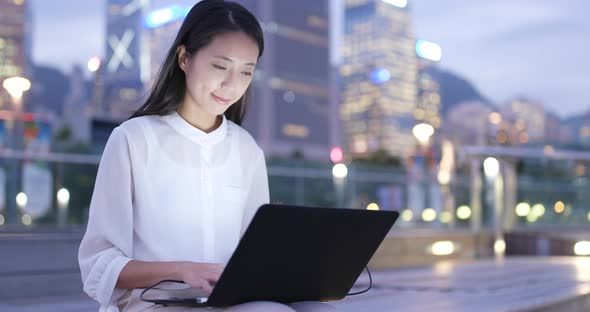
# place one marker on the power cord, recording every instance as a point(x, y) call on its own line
point(194, 302)
point(177, 301)
point(368, 288)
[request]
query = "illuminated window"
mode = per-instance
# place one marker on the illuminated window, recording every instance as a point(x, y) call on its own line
point(114, 9)
point(360, 145)
point(523, 137)
point(128, 94)
point(293, 130)
point(316, 21)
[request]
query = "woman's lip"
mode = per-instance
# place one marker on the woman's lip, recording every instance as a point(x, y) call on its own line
point(220, 99)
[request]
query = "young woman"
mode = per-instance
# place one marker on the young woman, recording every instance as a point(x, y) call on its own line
point(179, 182)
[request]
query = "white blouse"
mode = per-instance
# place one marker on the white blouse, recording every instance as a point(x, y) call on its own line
point(166, 191)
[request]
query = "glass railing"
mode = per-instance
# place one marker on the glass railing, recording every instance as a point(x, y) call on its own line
point(56, 192)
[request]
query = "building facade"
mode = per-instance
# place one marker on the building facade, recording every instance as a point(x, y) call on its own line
point(13, 15)
point(378, 78)
point(126, 66)
point(290, 111)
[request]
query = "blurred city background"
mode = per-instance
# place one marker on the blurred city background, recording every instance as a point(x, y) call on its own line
point(470, 118)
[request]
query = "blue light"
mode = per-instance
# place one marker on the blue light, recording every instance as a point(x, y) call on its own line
point(380, 75)
point(164, 16)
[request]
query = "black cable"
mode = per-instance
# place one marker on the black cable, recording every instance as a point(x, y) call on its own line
point(368, 288)
point(172, 301)
point(178, 301)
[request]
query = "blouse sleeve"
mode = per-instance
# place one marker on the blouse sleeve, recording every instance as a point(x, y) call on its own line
point(258, 193)
point(107, 245)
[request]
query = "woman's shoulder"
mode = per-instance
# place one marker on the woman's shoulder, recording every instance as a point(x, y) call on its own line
point(132, 133)
point(135, 127)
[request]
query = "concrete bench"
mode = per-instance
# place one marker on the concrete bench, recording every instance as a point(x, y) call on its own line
point(39, 272)
point(513, 284)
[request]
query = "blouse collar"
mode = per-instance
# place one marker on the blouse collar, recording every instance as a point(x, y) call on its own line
point(195, 134)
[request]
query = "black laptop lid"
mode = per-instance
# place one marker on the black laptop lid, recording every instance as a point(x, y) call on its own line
point(290, 254)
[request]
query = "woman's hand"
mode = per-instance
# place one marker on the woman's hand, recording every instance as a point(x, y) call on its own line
point(200, 275)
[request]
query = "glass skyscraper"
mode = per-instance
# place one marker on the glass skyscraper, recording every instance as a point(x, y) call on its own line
point(378, 78)
point(127, 57)
point(290, 109)
point(12, 44)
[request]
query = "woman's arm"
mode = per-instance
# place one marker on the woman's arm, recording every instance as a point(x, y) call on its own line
point(140, 274)
point(108, 242)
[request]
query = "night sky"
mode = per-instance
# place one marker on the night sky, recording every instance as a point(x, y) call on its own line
point(506, 48)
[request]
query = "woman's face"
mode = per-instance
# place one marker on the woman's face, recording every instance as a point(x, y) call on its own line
point(218, 75)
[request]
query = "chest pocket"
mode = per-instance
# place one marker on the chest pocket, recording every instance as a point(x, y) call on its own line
point(232, 200)
point(233, 194)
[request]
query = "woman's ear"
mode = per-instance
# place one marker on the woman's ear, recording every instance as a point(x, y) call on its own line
point(182, 57)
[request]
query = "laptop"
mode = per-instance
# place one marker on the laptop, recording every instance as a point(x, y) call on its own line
point(294, 253)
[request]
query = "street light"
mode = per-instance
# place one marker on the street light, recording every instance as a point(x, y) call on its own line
point(419, 199)
point(499, 247)
point(442, 248)
point(22, 200)
point(429, 215)
point(63, 199)
point(423, 132)
point(339, 171)
point(523, 209)
point(339, 174)
point(407, 215)
point(582, 248)
point(463, 212)
point(491, 167)
point(372, 206)
point(15, 86)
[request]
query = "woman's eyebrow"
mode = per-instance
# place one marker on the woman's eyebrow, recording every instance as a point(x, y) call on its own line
point(230, 60)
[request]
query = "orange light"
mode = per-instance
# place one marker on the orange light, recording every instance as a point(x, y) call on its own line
point(559, 207)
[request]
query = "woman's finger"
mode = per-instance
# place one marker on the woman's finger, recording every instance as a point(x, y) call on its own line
point(205, 286)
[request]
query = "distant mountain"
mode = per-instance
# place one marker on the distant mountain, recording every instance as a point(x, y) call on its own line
point(577, 118)
point(455, 89)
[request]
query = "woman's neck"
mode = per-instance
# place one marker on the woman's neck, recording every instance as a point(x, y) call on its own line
point(199, 118)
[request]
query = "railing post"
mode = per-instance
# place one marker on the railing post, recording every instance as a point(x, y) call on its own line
point(475, 194)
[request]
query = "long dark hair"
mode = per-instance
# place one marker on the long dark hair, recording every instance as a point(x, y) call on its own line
point(205, 20)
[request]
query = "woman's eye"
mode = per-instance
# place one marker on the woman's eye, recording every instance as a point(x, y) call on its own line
point(246, 73)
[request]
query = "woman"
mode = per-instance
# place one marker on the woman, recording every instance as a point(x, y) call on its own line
point(179, 182)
